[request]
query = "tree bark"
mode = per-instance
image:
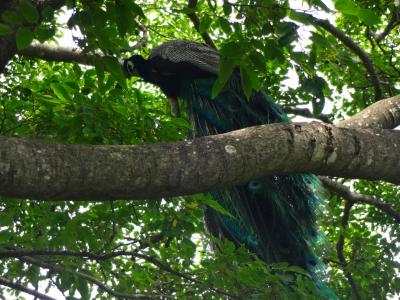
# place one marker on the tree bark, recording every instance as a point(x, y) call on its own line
point(384, 114)
point(47, 170)
point(8, 47)
point(50, 52)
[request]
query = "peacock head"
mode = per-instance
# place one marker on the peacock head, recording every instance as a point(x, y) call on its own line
point(134, 65)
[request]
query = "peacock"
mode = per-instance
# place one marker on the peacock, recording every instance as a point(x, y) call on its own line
point(274, 217)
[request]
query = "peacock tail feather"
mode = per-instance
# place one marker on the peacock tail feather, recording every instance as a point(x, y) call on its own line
point(274, 217)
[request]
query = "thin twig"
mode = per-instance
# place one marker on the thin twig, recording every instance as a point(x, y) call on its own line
point(391, 54)
point(58, 286)
point(21, 288)
point(304, 112)
point(340, 35)
point(352, 197)
point(25, 254)
point(340, 251)
point(144, 38)
point(347, 41)
point(196, 22)
point(98, 283)
point(329, 260)
point(114, 228)
point(393, 22)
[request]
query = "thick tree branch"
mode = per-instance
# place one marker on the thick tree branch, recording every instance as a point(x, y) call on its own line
point(304, 112)
point(8, 46)
point(50, 52)
point(384, 114)
point(196, 22)
point(21, 288)
point(47, 170)
point(7, 50)
point(352, 197)
point(340, 251)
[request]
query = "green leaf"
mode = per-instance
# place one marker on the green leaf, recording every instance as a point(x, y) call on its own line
point(213, 204)
point(287, 32)
point(70, 4)
point(299, 270)
point(99, 18)
point(205, 24)
point(353, 18)
point(321, 41)
point(232, 49)
point(368, 17)
point(272, 50)
point(66, 280)
point(227, 8)
point(100, 73)
point(321, 5)
point(5, 29)
point(47, 13)
point(225, 25)
point(12, 17)
point(5, 236)
point(29, 12)
point(43, 33)
point(6, 219)
point(114, 67)
point(309, 85)
point(226, 67)
point(315, 86)
point(24, 37)
point(318, 104)
point(313, 57)
point(124, 18)
point(228, 247)
point(83, 289)
point(299, 57)
point(245, 76)
point(346, 7)
point(104, 39)
point(255, 81)
point(188, 10)
point(126, 11)
point(268, 28)
point(258, 60)
point(300, 17)
point(249, 77)
point(137, 10)
point(60, 91)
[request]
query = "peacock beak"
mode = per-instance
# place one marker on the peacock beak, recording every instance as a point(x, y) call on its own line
point(129, 68)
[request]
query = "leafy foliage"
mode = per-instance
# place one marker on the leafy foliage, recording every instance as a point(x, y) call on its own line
point(163, 247)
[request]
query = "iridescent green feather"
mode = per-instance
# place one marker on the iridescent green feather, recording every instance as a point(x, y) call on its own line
point(273, 216)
